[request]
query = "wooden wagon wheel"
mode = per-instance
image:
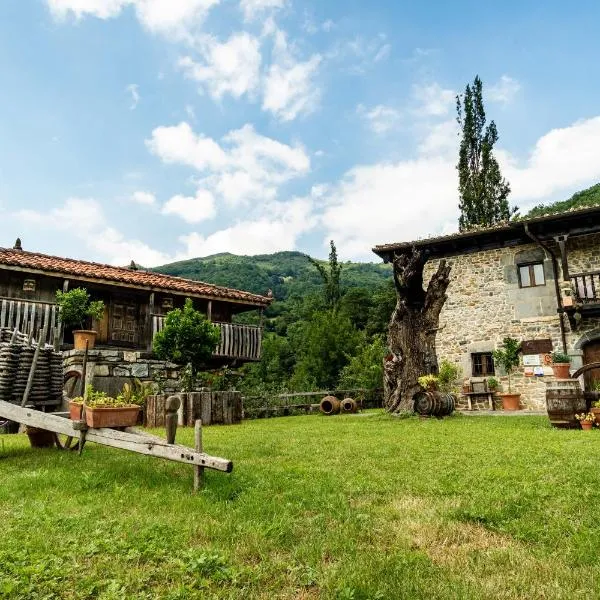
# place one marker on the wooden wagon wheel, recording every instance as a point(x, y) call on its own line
point(67, 442)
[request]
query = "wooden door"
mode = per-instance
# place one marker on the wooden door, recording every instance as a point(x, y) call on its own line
point(591, 353)
point(124, 323)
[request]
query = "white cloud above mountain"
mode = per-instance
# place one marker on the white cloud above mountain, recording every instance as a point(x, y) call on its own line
point(241, 167)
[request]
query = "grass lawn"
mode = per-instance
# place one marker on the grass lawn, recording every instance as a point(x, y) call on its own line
point(347, 507)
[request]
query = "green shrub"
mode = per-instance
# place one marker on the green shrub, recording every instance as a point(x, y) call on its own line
point(448, 376)
point(76, 307)
point(560, 357)
point(188, 338)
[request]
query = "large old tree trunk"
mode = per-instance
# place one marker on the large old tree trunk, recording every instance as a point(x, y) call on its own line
point(412, 329)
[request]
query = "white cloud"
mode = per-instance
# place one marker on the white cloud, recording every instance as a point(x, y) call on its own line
point(362, 52)
point(504, 91)
point(244, 166)
point(433, 100)
point(145, 198)
point(277, 226)
point(179, 144)
point(440, 139)
point(102, 9)
point(386, 202)
point(381, 119)
point(192, 209)
point(133, 90)
point(415, 198)
point(231, 67)
point(174, 18)
point(383, 53)
point(563, 160)
point(85, 219)
point(277, 229)
point(255, 8)
point(289, 87)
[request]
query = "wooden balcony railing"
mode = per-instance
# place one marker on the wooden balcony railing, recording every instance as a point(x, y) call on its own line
point(30, 317)
point(237, 341)
point(586, 287)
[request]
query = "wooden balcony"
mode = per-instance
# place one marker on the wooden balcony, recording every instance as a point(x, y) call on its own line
point(586, 287)
point(30, 317)
point(242, 342)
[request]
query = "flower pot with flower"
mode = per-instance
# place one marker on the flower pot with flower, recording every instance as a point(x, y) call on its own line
point(561, 363)
point(586, 420)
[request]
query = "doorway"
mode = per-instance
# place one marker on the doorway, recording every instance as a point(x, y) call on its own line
point(591, 354)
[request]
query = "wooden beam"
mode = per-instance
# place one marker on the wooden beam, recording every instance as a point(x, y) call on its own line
point(149, 328)
point(125, 440)
point(209, 310)
point(561, 240)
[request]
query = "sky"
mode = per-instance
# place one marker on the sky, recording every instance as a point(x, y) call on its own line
point(161, 130)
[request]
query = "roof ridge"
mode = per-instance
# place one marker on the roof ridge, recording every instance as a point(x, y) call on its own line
point(131, 272)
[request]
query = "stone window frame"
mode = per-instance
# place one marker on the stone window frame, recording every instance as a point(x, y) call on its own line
point(532, 278)
point(484, 372)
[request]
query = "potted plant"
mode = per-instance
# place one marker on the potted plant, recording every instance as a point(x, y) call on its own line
point(104, 411)
point(493, 384)
point(507, 356)
point(586, 420)
point(561, 363)
point(429, 382)
point(76, 310)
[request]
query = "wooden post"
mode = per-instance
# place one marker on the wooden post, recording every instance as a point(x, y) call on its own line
point(209, 310)
point(150, 321)
point(60, 323)
point(36, 355)
point(171, 417)
point(198, 470)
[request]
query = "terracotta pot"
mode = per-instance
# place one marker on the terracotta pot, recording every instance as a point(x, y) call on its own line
point(125, 416)
point(596, 413)
point(40, 438)
point(587, 425)
point(80, 336)
point(75, 411)
point(511, 401)
point(561, 370)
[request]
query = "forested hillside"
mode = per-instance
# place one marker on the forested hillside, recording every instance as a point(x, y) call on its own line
point(585, 198)
point(285, 273)
point(326, 326)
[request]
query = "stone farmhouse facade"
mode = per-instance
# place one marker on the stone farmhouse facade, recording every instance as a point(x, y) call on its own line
point(535, 280)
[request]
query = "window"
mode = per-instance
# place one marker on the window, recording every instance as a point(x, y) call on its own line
point(483, 364)
point(531, 275)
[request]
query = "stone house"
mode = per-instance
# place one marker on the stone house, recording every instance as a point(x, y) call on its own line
point(136, 303)
point(536, 280)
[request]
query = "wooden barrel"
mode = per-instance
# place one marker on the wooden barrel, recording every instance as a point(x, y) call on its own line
point(349, 405)
point(434, 404)
point(564, 399)
point(330, 405)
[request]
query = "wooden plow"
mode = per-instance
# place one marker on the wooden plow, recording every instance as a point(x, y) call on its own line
point(57, 428)
point(129, 438)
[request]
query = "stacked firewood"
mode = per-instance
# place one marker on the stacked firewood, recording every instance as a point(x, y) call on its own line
point(16, 357)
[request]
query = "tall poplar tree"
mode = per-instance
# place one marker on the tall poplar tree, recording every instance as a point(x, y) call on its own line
point(483, 191)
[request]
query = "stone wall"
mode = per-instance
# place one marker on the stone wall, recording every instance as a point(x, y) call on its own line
point(486, 304)
point(108, 370)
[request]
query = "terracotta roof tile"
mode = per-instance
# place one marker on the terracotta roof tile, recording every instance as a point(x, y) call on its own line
point(136, 279)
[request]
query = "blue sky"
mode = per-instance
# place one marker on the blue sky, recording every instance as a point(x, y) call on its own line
point(158, 130)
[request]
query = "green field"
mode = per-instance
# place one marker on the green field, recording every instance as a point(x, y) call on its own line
point(348, 507)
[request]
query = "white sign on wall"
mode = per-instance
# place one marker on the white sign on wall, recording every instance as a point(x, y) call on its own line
point(532, 360)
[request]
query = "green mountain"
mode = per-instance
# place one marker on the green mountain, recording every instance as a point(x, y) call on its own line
point(586, 198)
point(287, 274)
